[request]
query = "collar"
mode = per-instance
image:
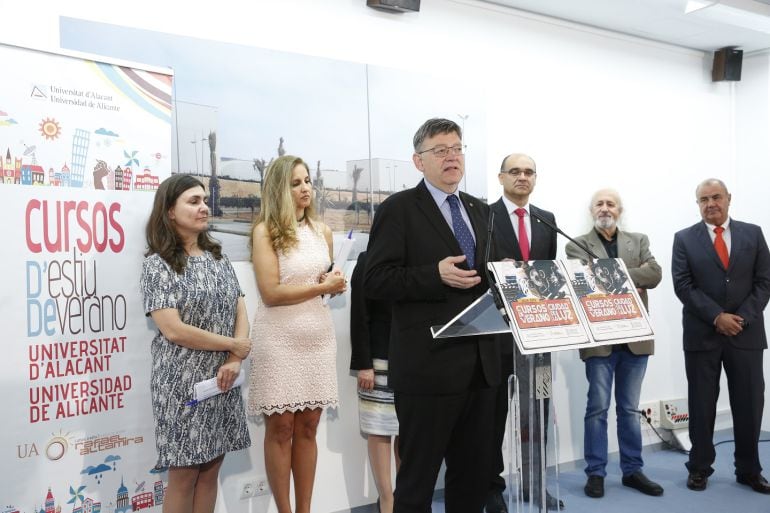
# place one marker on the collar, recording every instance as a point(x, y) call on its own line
point(603, 238)
point(510, 206)
point(438, 195)
point(711, 227)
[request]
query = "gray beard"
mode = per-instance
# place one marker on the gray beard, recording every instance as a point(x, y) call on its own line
point(605, 223)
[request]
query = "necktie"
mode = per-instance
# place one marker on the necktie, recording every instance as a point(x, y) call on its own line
point(462, 233)
point(721, 247)
point(523, 239)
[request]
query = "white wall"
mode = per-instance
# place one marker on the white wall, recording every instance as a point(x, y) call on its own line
point(594, 109)
point(752, 115)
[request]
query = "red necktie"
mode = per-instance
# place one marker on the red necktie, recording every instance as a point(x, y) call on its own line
point(523, 239)
point(721, 247)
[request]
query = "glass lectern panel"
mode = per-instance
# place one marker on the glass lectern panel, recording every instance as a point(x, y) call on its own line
point(480, 318)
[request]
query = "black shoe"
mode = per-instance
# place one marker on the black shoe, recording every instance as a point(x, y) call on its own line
point(551, 503)
point(639, 481)
point(755, 481)
point(594, 487)
point(495, 502)
point(550, 500)
point(697, 480)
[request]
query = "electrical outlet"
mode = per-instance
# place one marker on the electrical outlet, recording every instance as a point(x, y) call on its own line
point(263, 487)
point(650, 414)
point(675, 414)
point(254, 487)
point(248, 488)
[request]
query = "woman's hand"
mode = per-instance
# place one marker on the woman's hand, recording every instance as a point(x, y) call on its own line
point(366, 379)
point(335, 282)
point(226, 375)
point(241, 347)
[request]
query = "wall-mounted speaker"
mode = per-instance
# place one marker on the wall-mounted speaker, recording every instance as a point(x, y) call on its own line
point(727, 64)
point(395, 5)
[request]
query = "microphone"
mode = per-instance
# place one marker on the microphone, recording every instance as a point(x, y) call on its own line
point(490, 275)
point(490, 226)
point(555, 228)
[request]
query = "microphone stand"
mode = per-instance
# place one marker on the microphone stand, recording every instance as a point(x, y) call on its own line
point(555, 228)
point(490, 276)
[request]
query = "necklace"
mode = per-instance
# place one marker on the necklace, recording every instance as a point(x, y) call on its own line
point(301, 218)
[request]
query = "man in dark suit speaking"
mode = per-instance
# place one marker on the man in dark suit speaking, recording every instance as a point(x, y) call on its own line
point(721, 273)
point(426, 256)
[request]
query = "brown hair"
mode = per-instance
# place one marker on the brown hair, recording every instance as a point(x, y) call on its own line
point(160, 233)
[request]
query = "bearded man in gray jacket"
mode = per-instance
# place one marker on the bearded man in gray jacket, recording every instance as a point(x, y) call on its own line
point(625, 364)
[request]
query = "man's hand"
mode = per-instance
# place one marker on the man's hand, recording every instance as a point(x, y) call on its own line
point(454, 277)
point(728, 324)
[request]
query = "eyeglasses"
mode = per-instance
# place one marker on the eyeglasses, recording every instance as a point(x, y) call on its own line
point(516, 172)
point(443, 151)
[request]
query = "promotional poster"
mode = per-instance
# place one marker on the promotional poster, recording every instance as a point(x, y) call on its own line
point(83, 146)
point(556, 305)
point(539, 305)
point(608, 299)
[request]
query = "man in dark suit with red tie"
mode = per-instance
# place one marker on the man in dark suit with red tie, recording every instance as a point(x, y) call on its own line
point(426, 256)
point(520, 236)
point(721, 273)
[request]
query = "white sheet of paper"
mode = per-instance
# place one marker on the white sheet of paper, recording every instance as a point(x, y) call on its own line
point(208, 387)
point(340, 259)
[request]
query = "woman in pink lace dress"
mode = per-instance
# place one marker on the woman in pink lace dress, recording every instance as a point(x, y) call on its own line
point(293, 369)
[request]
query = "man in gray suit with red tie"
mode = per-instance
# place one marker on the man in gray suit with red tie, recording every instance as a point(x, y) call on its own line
point(721, 273)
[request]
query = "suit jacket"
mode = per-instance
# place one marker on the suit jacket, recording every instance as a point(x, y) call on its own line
point(542, 244)
point(707, 289)
point(369, 322)
point(409, 237)
point(643, 269)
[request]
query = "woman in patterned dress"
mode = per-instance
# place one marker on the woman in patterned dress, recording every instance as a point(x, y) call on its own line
point(293, 370)
point(193, 296)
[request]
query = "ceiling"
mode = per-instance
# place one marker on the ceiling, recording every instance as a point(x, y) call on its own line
point(711, 25)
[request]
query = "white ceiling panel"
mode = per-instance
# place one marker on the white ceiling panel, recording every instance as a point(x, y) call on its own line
point(665, 20)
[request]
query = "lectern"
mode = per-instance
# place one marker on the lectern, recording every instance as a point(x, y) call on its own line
point(553, 305)
point(528, 422)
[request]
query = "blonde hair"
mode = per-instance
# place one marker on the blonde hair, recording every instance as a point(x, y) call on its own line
point(277, 210)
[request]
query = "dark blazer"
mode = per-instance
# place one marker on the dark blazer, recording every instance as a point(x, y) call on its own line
point(706, 288)
point(542, 245)
point(409, 237)
point(543, 241)
point(369, 322)
point(634, 250)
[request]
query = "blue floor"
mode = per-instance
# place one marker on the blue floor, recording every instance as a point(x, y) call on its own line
point(666, 467)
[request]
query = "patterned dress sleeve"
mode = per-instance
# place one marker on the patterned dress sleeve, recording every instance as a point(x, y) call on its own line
point(231, 270)
point(158, 284)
